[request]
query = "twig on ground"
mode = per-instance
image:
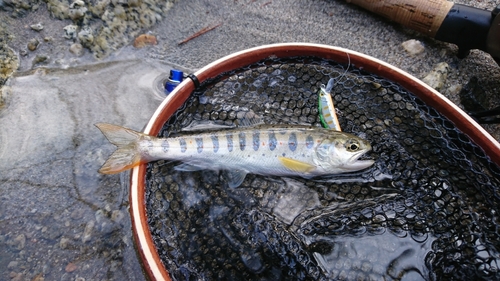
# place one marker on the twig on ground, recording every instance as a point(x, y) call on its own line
point(199, 33)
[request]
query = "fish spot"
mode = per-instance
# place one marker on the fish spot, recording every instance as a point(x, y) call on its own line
point(182, 143)
point(242, 138)
point(215, 142)
point(199, 144)
point(309, 142)
point(272, 141)
point(256, 140)
point(165, 146)
point(292, 142)
point(229, 138)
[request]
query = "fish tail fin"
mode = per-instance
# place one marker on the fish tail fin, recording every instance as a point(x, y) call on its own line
point(127, 154)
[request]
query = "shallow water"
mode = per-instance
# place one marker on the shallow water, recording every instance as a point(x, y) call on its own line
point(58, 216)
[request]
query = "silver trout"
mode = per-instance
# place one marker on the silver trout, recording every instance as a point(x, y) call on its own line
point(286, 150)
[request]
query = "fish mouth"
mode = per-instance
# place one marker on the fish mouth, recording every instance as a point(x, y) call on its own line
point(355, 164)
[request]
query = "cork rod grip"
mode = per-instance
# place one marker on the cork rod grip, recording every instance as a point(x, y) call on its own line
point(424, 16)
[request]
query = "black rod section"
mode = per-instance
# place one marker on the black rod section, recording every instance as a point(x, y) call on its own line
point(467, 27)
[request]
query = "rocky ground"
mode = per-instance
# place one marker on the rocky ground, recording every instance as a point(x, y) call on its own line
point(79, 62)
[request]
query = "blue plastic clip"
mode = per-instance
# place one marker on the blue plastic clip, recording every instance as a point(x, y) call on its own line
point(174, 79)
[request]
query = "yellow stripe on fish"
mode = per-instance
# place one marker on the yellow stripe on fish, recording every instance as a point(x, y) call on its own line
point(267, 150)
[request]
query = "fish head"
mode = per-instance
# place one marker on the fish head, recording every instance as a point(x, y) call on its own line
point(341, 152)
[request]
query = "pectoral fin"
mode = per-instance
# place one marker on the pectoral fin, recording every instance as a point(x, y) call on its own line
point(235, 178)
point(296, 165)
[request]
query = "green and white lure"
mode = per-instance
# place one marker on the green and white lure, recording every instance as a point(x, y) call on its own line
point(327, 113)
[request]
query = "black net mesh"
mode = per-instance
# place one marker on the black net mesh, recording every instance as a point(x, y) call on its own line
point(426, 210)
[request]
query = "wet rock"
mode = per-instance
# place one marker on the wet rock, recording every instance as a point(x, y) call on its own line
point(40, 59)
point(38, 277)
point(144, 40)
point(19, 242)
point(86, 37)
point(37, 27)
point(70, 31)
point(15, 276)
point(76, 49)
point(51, 232)
point(77, 10)
point(117, 216)
point(453, 90)
point(437, 77)
point(33, 44)
point(87, 232)
point(8, 62)
point(134, 3)
point(13, 265)
point(76, 14)
point(58, 9)
point(46, 268)
point(64, 243)
point(413, 47)
point(77, 214)
point(105, 225)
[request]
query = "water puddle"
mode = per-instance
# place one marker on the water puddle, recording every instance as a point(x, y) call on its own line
point(59, 218)
point(347, 257)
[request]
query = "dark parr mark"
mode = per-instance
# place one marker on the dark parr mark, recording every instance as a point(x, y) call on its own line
point(292, 142)
point(215, 142)
point(256, 140)
point(229, 138)
point(242, 138)
point(182, 143)
point(309, 142)
point(165, 146)
point(272, 141)
point(199, 144)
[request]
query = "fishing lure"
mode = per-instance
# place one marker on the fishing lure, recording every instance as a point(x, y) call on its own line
point(327, 113)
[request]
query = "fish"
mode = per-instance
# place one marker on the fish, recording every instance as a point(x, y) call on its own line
point(327, 114)
point(279, 150)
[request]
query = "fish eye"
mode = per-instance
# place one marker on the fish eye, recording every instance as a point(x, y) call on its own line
point(352, 145)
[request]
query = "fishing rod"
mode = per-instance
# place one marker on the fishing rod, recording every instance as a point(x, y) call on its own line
point(466, 26)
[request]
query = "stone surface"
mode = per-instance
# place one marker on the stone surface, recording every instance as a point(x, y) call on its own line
point(413, 47)
point(437, 77)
